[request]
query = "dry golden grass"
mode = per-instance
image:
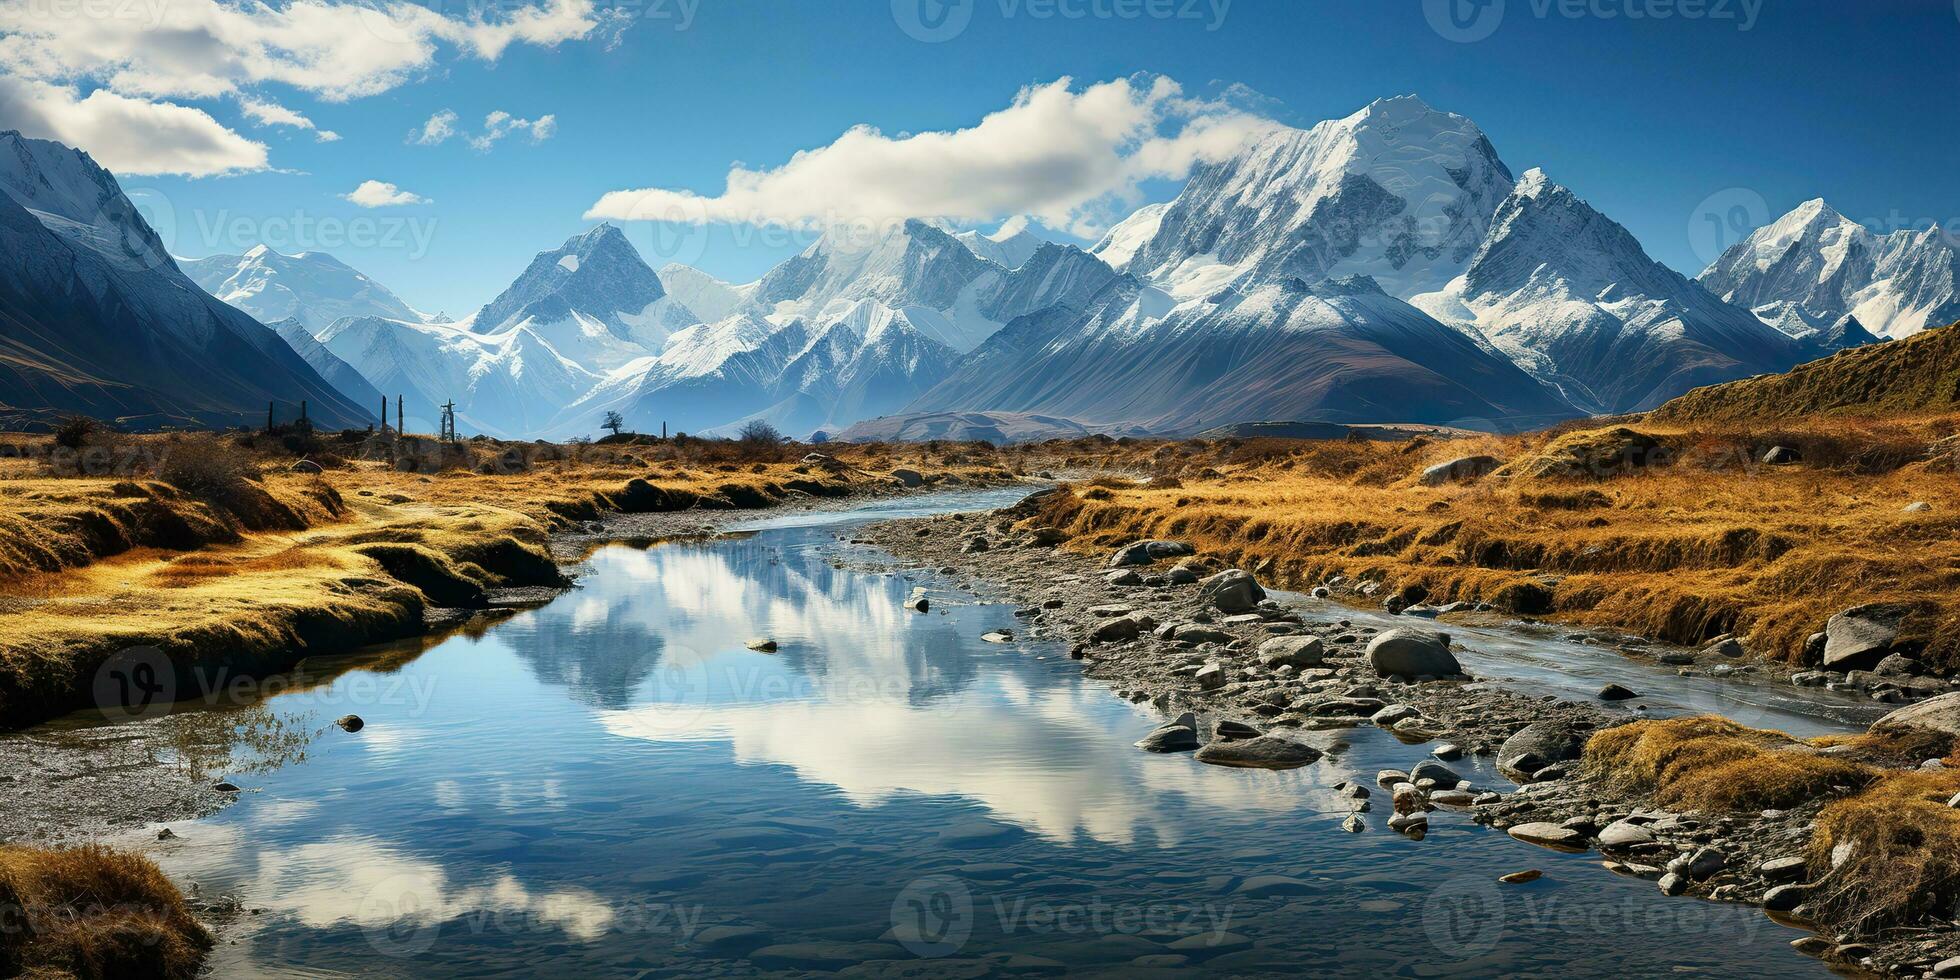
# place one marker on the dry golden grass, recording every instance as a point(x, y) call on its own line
point(251, 574)
point(93, 912)
point(1902, 851)
point(1715, 765)
point(1698, 541)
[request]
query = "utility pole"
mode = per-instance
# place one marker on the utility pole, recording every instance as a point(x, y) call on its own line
point(268, 416)
point(448, 424)
point(384, 415)
point(401, 420)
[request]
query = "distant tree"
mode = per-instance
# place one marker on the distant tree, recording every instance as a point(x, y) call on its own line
point(760, 433)
point(75, 431)
point(613, 421)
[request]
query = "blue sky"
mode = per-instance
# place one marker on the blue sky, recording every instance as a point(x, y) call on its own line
point(1745, 110)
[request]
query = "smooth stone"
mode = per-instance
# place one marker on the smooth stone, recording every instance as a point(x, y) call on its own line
point(1521, 877)
point(1264, 752)
point(1549, 835)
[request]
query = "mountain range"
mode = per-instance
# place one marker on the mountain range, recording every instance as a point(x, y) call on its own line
point(97, 319)
point(1384, 267)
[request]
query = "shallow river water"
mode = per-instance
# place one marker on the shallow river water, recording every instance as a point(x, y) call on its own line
point(614, 785)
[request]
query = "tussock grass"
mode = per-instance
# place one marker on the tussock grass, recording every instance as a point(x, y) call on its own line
point(1901, 852)
point(1699, 540)
point(92, 912)
point(1714, 765)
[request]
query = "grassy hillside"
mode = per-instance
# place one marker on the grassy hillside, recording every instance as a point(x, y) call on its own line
point(1919, 375)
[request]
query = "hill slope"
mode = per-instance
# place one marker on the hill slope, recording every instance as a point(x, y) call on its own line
point(1917, 375)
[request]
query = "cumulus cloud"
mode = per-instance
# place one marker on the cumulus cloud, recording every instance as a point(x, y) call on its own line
point(381, 194)
point(1067, 157)
point(274, 114)
point(207, 48)
point(129, 136)
point(441, 127)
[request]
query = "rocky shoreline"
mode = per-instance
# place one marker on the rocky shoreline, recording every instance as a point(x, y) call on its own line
point(1236, 674)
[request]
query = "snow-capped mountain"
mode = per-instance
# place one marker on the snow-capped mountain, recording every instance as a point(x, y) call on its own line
point(344, 377)
point(593, 299)
point(705, 296)
point(1571, 297)
point(1813, 266)
point(1398, 191)
point(1340, 350)
point(840, 332)
point(509, 384)
point(1009, 246)
point(96, 318)
point(313, 287)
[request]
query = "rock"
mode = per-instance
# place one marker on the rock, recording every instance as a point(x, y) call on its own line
point(1354, 824)
point(998, 636)
point(1621, 835)
point(1784, 869)
point(1116, 630)
point(166, 834)
point(1459, 469)
point(225, 786)
point(1812, 945)
point(918, 603)
point(1227, 729)
point(1549, 835)
point(1432, 769)
point(1292, 651)
point(1181, 575)
point(307, 466)
point(1673, 884)
point(1390, 715)
point(1784, 898)
point(1211, 677)
point(1898, 665)
point(1145, 552)
point(909, 478)
point(1939, 714)
point(762, 645)
point(1521, 877)
point(1706, 863)
point(1414, 824)
point(1232, 591)
point(1447, 751)
point(1782, 456)
point(1127, 576)
point(1919, 507)
point(1170, 738)
point(1264, 752)
point(1412, 652)
point(1811, 678)
point(350, 723)
point(1726, 647)
point(1614, 692)
point(1537, 746)
point(1861, 636)
point(1676, 658)
point(1949, 967)
point(1195, 633)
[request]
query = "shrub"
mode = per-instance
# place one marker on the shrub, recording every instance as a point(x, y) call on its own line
point(759, 433)
point(94, 912)
point(208, 469)
point(75, 431)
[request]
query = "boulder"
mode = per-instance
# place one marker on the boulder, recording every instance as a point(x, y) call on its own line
point(1537, 746)
point(910, 478)
point(1232, 591)
point(1145, 552)
point(1459, 469)
point(350, 723)
point(1116, 630)
point(1549, 835)
point(1939, 714)
point(1293, 651)
point(1264, 752)
point(1860, 637)
point(1170, 738)
point(1614, 692)
point(1620, 835)
point(1432, 769)
point(1412, 652)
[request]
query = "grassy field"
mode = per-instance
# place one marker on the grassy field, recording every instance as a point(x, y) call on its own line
point(222, 556)
point(1672, 531)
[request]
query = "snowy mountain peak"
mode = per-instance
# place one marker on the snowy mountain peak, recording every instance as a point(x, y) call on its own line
point(1009, 246)
point(74, 197)
point(312, 287)
point(597, 274)
point(1398, 190)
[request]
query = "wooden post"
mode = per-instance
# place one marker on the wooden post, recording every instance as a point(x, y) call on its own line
point(401, 421)
point(384, 415)
point(268, 416)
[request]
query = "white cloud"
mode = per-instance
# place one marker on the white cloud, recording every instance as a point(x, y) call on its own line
point(441, 126)
point(207, 48)
point(381, 194)
point(1068, 158)
point(274, 114)
point(128, 136)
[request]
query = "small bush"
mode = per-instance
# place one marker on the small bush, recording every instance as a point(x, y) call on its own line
point(94, 912)
point(1710, 763)
point(208, 469)
point(75, 431)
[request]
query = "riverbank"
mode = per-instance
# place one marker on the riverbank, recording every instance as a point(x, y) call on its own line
point(1703, 808)
point(191, 563)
